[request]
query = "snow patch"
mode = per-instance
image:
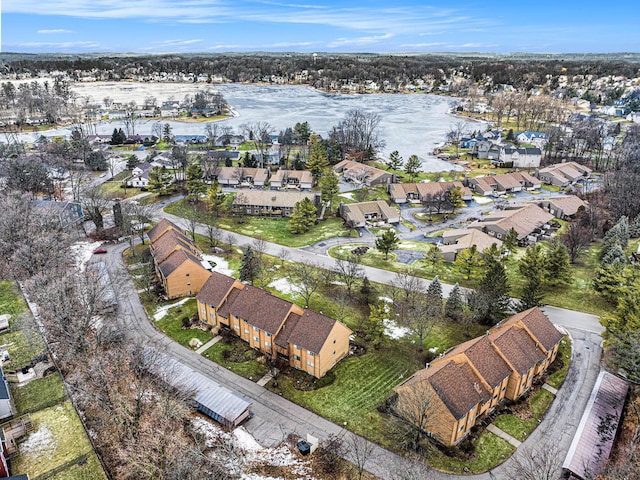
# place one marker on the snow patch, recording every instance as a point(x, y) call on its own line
point(385, 299)
point(284, 285)
point(82, 251)
point(41, 443)
point(246, 441)
point(221, 265)
point(392, 330)
point(162, 311)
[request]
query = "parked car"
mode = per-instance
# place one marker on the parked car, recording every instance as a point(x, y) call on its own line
point(99, 250)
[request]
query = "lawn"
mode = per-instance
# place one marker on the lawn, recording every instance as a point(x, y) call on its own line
point(249, 368)
point(23, 341)
point(520, 428)
point(556, 379)
point(490, 450)
point(59, 439)
point(361, 384)
point(38, 394)
point(171, 324)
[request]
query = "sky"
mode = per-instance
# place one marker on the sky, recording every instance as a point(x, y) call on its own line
point(391, 26)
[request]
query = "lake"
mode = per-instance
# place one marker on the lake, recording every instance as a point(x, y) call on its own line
point(411, 123)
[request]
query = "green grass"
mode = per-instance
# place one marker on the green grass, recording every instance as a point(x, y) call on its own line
point(520, 429)
point(68, 441)
point(361, 385)
point(38, 394)
point(89, 470)
point(490, 450)
point(171, 324)
point(556, 379)
point(251, 369)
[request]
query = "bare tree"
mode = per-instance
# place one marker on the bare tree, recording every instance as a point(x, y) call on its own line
point(94, 203)
point(535, 462)
point(359, 452)
point(349, 271)
point(130, 119)
point(258, 134)
point(416, 405)
point(307, 276)
point(231, 240)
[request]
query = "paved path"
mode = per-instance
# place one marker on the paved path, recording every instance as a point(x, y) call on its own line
point(504, 435)
point(208, 345)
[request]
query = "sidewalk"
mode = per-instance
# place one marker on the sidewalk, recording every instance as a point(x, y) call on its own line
point(209, 344)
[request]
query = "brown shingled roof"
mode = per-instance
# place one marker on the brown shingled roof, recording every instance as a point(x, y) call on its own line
point(518, 348)
point(539, 326)
point(157, 231)
point(260, 309)
point(163, 246)
point(282, 339)
point(215, 289)
point(311, 331)
point(459, 388)
point(177, 258)
point(484, 357)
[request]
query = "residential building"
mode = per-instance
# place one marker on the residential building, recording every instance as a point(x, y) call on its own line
point(504, 183)
point(537, 139)
point(421, 192)
point(270, 203)
point(456, 240)
point(69, 213)
point(520, 157)
point(359, 173)
point(471, 379)
point(292, 179)
point(241, 176)
point(564, 174)
point(529, 221)
point(140, 175)
point(360, 214)
point(563, 207)
point(162, 227)
point(305, 339)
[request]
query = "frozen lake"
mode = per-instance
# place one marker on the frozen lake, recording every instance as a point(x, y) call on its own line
point(411, 123)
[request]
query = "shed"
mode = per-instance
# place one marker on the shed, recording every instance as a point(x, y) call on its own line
point(596, 432)
point(4, 322)
point(6, 410)
point(211, 398)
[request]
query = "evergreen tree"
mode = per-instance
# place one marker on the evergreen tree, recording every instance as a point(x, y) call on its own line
point(532, 268)
point(132, 162)
point(395, 161)
point(454, 306)
point(303, 217)
point(557, 267)
point(249, 266)
point(159, 180)
point(115, 138)
point(490, 303)
point(318, 160)
point(412, 166)
point(634, 228)
point(432, 257)
point(434, 298)
point(511, 240)
point(387, 242)
point(329, 188)
point(228, 162)
point(378, 313)
point(468, 260)
point(615, 254)
point(492, 253)
point(195, 182)
point(454, 199)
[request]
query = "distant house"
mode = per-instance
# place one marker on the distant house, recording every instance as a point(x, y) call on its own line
point(538, 139)
point(241, 176)
point(292, 179)
point(456, 240)
point(563, 207)
point(270, 203)
point(520, 157)
point(420, 192)
point(471, 379)
point(305, 339)
point(529, 221)
point(360, 173)
point(503, 183)
point(376, 213)
point(564, 174)
point(140, 175)
point(69, 214)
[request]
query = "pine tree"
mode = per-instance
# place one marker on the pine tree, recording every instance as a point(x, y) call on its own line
point(195, 181)
point(387, 242)
point(614, 255)
point(634, 228)
point(249, 266)
point(432, 257)
point(454, 199)
point(434, 298)
point(412, 166)
point(454, 306)
point(395, 161)
point(329, 188)
point(303, 217)
point(491, 302)
point(115, 138)
point(511, 240)
point(132, 162)
point(532, 268)
point(557, 265)
point(468, 260)
point(318, 160)
point(159, 180)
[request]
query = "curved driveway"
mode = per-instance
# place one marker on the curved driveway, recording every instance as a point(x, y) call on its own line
point(274, 417)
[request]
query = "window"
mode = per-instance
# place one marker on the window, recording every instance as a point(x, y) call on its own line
point(310, 363)
point(188, 274)
point(257, 339)
point(499, 235)
point(267, 344)
point(296, 357)
point(246, 330)
point(188, 283)
point(237, 327)
point(267, 334)
point(310, 353)
point(334, 341)
point(461, 428)
point(296, 347)
point(255, 328)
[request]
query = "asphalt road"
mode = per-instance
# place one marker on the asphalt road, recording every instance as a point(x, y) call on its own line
point(274, 417)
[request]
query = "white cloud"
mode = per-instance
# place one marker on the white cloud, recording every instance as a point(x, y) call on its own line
point(60, 45)
point(178, 43)
point(360, 40)
point(53, 31)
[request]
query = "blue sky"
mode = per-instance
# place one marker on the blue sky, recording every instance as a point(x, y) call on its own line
point(392, 26)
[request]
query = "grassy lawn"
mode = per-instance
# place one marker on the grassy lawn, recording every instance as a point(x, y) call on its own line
point(23, 341)
point(556, 379)
point(114, 189)
point(58, 439)
point(89, 470)
point(361, 385)
point(171, 324)
point(490, 450)
point(520, 428)
point(38, 394)
point(249, 368)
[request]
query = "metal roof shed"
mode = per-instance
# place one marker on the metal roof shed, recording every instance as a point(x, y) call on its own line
point(211, 398)
point(596, 432)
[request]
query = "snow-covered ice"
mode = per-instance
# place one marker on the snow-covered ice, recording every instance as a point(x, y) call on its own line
point(162, 311)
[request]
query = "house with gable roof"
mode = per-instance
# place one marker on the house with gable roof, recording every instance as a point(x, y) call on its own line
point(564, 174)
point(357, 172)
point(377, 212)
point(472, 378)
point(292, 179)
point(527, 220)
point(305, 339)
point(419, 192)
point(563, 207)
